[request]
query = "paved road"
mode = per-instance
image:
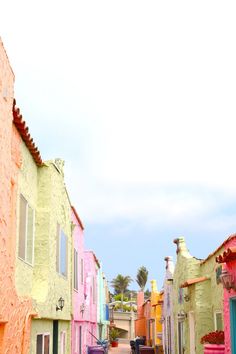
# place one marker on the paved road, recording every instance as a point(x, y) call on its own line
point(121, 349)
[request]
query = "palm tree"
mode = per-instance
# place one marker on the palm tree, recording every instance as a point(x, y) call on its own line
point(120, 285)
point(142, 276)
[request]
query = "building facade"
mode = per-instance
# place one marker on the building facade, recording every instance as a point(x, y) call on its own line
point(15, 310)
point(91, 266)
point(197, 299)
point(226, 261)
point(52, 273)
point(168, 318)
point(78, 327)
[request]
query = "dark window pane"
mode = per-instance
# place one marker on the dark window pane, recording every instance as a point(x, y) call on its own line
point(39, 344)
point(46, 344)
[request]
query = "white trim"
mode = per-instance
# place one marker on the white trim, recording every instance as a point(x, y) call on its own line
point(192, 338)
point(62, 343)
point(44, 335)
point(217, 312)
point(26, 229)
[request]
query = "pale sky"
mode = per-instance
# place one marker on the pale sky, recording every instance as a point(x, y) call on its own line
point(138, 98)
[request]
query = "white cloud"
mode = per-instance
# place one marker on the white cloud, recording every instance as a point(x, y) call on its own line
point(131, 93)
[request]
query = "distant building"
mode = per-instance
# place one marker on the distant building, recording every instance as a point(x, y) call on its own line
point(167, 314)
point(91, 266)
point(78, 323)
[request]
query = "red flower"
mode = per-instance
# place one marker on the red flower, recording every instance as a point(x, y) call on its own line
point(217, 337)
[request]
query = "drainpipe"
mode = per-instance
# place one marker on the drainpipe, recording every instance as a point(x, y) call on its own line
point(29, 316)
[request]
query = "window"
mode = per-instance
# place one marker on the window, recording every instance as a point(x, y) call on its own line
point(43, 344)
point(218, 321)
point(94, 290)
point(26, 231)
point(82, 271)
point(61, 252)
point(75, 269)
point(63, 342)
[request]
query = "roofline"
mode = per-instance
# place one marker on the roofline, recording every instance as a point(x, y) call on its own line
point(77, 217)
point(94, 256)
point(25, 135)
point(232, 236)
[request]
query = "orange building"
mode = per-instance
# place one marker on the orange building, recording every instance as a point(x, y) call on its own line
point(15, 311)
point(149, 312)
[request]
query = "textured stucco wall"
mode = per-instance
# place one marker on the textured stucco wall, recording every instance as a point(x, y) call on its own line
point(210, 298)
point(90, 269)
point(231, 267)
point(53, 207)
point(187, 267)
point(156, 313)
point(102, 296)
point(168, 304)
point(205, 297)
point(140, 323)
point(14, 311)
point(28, 188)
point(40, 327)
point(78, 295)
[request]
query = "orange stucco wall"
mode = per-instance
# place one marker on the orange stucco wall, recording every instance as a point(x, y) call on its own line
point(14, 311)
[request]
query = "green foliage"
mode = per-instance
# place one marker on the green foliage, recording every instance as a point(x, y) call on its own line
point(119, 296)
point(147, 294)
point(121, 283)
point(124, 308)
point(142, 276)
point(113, 333)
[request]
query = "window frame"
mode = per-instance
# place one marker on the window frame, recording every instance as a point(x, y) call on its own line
point(58, 252)
point(76, 270)
point(28, 205)
point(218, 312)
point(63, 342)
point(82, 271)
point(43, 334)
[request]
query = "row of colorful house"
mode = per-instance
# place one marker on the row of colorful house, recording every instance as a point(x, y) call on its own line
point(198, 297)
point(53, 292)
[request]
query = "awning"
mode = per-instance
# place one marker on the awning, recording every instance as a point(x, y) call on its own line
point(193, 281)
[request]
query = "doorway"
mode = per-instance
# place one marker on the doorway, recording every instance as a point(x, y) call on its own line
point(192, 332)
point(233, 324)
point(180, 337)
point(55, 337)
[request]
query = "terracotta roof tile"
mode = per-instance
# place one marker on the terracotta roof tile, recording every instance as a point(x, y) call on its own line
point(233, 236)
point(193, 281)
point(24, 132)
point(227, 256)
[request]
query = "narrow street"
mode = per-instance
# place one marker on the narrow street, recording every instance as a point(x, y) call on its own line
point(122, 348)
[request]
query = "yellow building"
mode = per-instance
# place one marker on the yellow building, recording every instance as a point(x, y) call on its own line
point(154, 335)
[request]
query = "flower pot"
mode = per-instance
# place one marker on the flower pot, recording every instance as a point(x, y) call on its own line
point(214, 348)
point(114, 343)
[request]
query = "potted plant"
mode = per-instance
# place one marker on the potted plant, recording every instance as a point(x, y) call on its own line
point(113, 335)
point(214, 342)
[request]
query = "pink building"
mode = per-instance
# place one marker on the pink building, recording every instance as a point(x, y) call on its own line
point(227, 260)
point(78, 338)
point(91, 266)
